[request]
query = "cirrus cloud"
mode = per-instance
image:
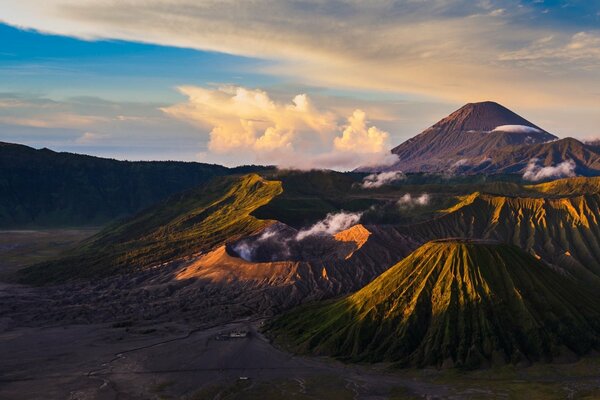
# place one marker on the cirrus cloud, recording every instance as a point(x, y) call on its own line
point(453, 49)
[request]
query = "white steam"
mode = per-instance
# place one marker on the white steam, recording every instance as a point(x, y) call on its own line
point(374, 181)
point(244, 250)
point(516, 129)
point(409, 201)
point(535, 172)
point(331, 224)
point(460, 163)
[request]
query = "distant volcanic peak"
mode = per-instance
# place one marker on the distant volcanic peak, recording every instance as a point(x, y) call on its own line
point(484, 116)
point(470, 135)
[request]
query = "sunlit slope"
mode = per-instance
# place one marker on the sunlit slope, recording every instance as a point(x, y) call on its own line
point(568, 186)
point(453, 303)
point(563, 231)
point(187, 223)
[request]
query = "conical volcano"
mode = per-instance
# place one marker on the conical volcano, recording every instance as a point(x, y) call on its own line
point(453, 303)
point(484, 116)
point(466, 136)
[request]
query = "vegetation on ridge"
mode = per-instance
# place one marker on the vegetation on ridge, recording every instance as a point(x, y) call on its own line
point(185, 224)
point(452, 303)
point(43, 188)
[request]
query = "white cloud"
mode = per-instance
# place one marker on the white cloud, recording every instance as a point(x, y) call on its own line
point(248, 119)
point(535, 172)
point(360, 138)
point(295, 134)
point(516, 129)
point(90, 137)
point(52, 120)
point(581, 47)
point(384, 178)
point(331, 224)
point(409, 201)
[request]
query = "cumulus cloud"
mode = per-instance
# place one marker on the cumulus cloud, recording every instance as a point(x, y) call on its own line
point(374, 181)
point(516, 129)
point(535, 172)
point(331, 224)
point(360, 138)
point(295, 134)
point(248, 119)
point(409, 201)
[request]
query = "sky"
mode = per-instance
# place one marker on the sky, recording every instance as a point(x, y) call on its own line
point(331, 84)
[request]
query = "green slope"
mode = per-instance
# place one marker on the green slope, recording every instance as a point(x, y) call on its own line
point(452, 303)
point(43, 188)
point(187, 223)
point(568, 186)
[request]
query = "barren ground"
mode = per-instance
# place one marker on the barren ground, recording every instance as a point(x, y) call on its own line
point(144, 337)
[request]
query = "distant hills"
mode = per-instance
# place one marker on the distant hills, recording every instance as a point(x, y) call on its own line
point(43, 188)
point(453, 303)
point(488, 138)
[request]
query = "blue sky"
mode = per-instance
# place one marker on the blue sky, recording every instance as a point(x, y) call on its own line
point(118, 70)
point(88, 77)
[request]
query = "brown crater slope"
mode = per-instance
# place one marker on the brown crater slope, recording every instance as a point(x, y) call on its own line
point(312, 268)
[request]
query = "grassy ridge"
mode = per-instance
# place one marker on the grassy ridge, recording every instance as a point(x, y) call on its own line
point(452, 304)
point(186, 223)
point(561, 230)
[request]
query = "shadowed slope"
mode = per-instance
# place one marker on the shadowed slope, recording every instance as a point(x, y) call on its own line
point(453, 303)
point(514, 159)
point(45, 188)
point(187, 223)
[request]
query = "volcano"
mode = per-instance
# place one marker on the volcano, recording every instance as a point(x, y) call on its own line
point(468, 134)
point(453, 303)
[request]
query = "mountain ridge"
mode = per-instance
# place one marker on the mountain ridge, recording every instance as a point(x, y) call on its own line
point(44, 188)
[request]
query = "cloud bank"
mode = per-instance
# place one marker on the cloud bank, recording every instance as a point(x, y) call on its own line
point(534, 172)
point(291, 135)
